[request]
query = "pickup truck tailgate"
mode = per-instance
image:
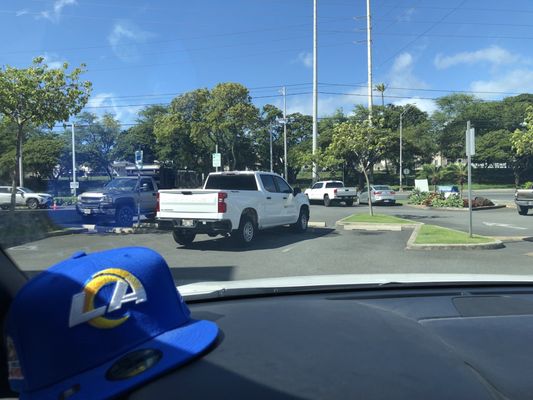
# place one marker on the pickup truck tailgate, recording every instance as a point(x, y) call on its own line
point(177, 201)
point(525, 194)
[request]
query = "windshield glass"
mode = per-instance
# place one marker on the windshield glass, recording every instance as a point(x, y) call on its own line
point(270, 155)
point(121, 184)
point(26, 190)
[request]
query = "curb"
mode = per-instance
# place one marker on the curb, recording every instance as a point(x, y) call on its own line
point(494, 207)
point(373, 226)
point(411, 245)
point(316, 224)
point(67, 231)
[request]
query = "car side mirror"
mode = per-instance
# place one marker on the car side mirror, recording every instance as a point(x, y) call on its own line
point(297, 191)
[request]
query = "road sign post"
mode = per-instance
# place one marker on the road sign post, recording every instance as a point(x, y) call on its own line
point(470, 151)
point(217, 161)
point(139, 166)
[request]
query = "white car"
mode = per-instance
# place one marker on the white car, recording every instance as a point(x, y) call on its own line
point(380, 194)
point(25, 197)
point(332, 192)
point(237, 203)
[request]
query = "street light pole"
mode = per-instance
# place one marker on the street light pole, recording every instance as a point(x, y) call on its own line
point(73, 160)
point(369, 61)
point(285, 132)
point(401, 148)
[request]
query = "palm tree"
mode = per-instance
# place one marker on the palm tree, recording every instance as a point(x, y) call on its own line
point(381, 87)
point(459, 173)
point(431, 172)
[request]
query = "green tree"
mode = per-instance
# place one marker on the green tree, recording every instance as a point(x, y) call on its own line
point(98, 138)
point(38, 95)
point(381, 87)
point(522, 144)
point(458, 172)
point(364, 142)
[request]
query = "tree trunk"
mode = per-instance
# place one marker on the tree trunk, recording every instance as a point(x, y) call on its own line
point(234, 163)
point(16, 171)
point(370, 209)
point(382, 99)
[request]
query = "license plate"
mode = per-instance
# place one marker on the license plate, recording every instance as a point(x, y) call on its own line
point(187, 222)
point(87, 211)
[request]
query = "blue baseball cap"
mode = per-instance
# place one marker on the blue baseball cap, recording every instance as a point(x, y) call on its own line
point(97, 325)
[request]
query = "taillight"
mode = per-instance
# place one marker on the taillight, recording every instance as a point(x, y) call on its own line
point(222, 206)
point(392, 192)
point(377, 192)
point(157, 203)
point(334, 191)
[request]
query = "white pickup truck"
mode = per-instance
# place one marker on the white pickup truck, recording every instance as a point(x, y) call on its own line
point(331, 192)
point(236, 203)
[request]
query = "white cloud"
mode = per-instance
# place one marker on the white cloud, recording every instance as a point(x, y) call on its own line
point(406, 16)
point(517, 80)
point(306, 58)
point(21, 12)
point(494, 55)
point(124, 39)
point(106, 102)
point(401, 74)
point(426, 105)
point(54, 14)
point(53, 60)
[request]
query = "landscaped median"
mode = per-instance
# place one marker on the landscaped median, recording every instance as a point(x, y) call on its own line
point(424, 237)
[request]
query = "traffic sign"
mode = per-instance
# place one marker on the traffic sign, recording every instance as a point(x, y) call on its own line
point(406, 171)
point(74, 185)
point(139, 159)
point(470, 142)
point(217, 160)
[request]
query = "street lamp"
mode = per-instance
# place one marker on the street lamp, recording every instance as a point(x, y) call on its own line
point(73, 185)
point(401, 144)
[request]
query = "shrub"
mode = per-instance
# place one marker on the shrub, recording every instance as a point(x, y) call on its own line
point(528, 185)
point(65, 201)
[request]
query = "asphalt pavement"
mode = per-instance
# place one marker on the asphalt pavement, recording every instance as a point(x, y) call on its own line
point(328, 250)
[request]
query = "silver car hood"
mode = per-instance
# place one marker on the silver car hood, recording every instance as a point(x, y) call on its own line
point(207, 290)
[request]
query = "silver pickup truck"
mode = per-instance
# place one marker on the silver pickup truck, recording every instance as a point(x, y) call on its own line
point(524, 200)
point(118, 200)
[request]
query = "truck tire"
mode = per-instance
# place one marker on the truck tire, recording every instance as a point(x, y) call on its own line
point(327, 201)
point(124, 216)
point(349, 203)
point(183, 238)
point(522, 210)
point(303, 220)
point(246, 232)
point(32, 204)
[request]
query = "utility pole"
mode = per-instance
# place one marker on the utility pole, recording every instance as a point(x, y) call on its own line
point(284, 92)
point(271, 166)
point(369, 51)
point(73, 161)
point(315, 88)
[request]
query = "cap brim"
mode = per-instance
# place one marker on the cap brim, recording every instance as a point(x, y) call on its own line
point(177, 347)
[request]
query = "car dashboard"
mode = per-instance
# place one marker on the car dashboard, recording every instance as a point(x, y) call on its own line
point(410, 343)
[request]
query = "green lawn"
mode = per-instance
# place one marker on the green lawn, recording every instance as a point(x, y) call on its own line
point(431, 234)
point(377, 218)
point(480, 186)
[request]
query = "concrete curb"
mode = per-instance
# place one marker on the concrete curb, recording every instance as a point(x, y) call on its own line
point(373, 226)
point(494, 207)
point(67, 231)
point(411, 245)
point(316, 224)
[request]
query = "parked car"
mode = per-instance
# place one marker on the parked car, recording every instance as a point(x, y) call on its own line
point(523, 199)
point(119, 200)
point(331, 192)
point(25, 197)
point(448, 191)
point(380, 194)
point(237, 203)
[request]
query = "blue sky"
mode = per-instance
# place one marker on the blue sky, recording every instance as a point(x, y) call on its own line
point(141, 52)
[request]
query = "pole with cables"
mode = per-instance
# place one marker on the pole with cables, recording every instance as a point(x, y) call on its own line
point(369, 54)
point(285, 162)
point(315, 88)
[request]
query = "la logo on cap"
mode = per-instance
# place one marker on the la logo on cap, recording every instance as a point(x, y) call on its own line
point(82, 308)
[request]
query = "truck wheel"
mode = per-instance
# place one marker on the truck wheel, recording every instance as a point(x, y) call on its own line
point(327, 201)
point(124, 216)
point(246, 232)
point(349, 203)
point(32, 204)
point(185, 239)
point(303, 220)
point(522, 210)
point(5, 206)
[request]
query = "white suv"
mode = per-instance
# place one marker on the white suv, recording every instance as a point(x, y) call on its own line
point(24, 196)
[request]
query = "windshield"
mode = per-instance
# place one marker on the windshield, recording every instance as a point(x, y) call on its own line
point(26, 190)
point(394, 147)
point(121, 184)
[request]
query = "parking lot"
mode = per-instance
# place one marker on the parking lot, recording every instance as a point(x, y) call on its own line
point(324, 250)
